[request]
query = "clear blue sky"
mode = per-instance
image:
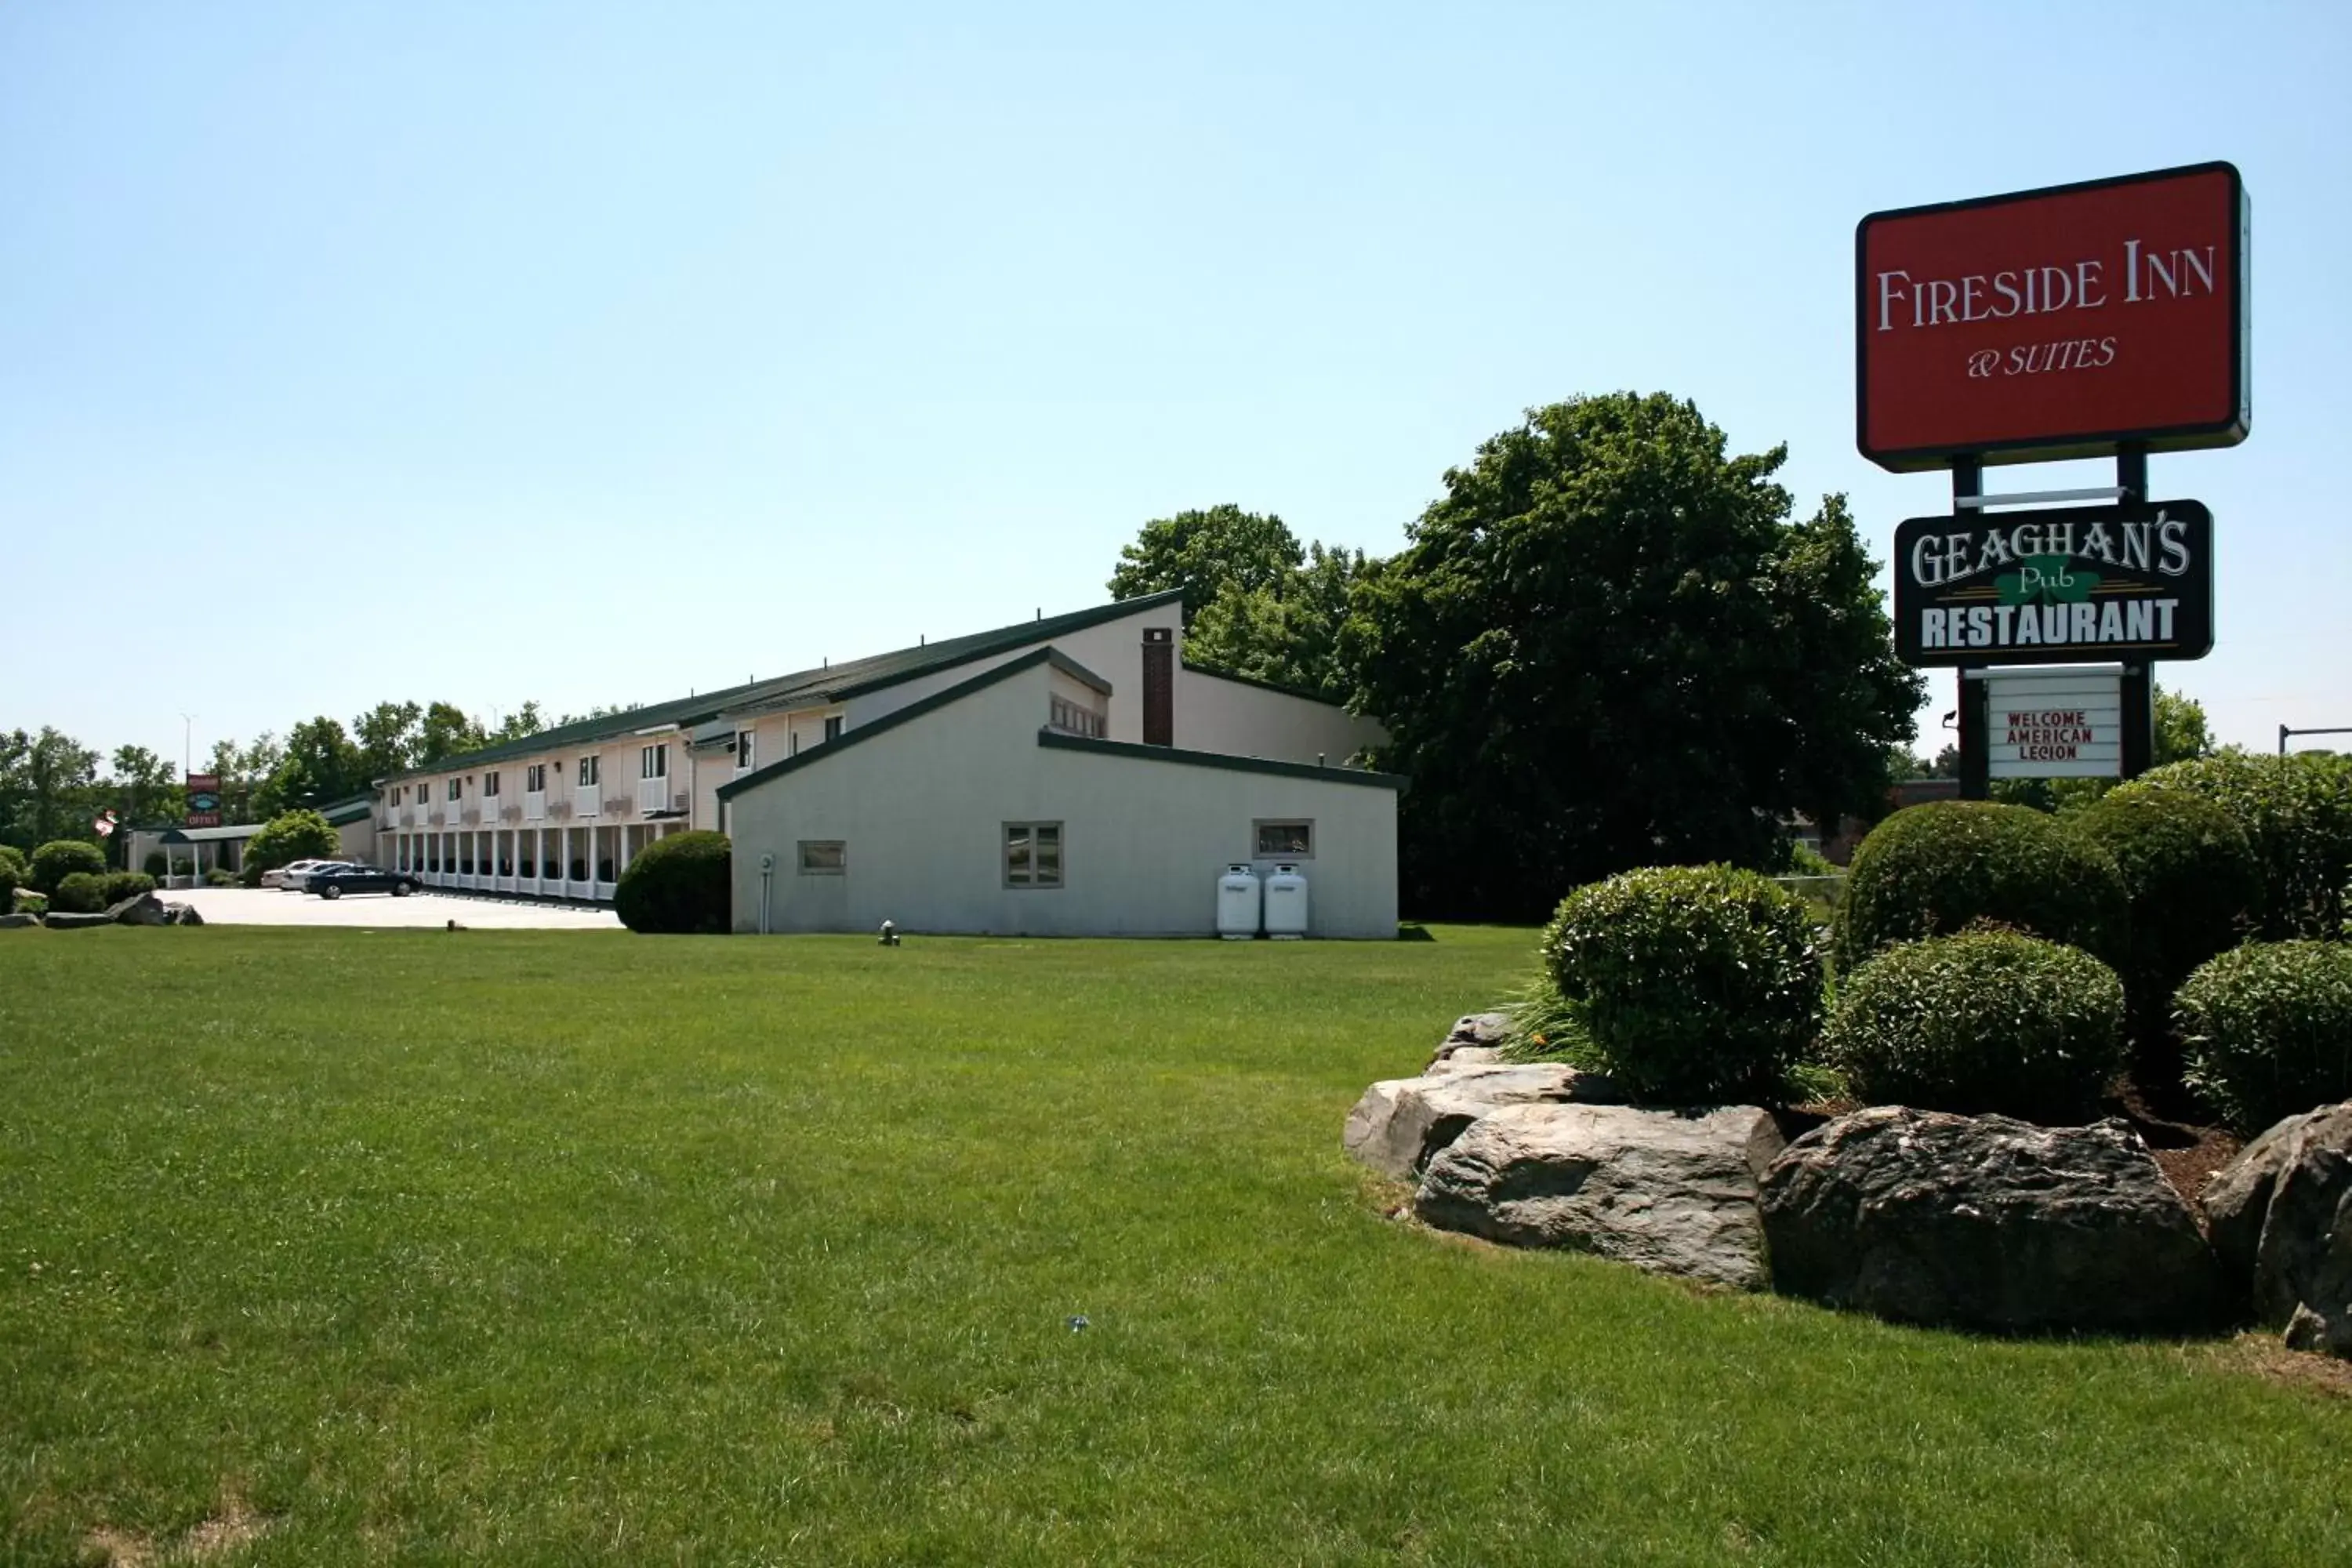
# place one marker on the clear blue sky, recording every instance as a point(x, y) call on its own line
point(595, 353)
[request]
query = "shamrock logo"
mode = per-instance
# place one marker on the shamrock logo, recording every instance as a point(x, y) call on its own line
point(2046, 579)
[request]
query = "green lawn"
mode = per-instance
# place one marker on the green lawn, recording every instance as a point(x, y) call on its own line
point(523, 1247)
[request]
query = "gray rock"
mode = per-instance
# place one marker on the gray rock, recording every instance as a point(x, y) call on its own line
point(17, 921)
point(139, 910)
point(184, 915)
point(2302, 1277)
point(1988, 1223)
point(2238, 1196)
point(1473, 1031)
point(1464, 1056)
point(1400, 1123)
point(1672, 1192)
point(63, 921)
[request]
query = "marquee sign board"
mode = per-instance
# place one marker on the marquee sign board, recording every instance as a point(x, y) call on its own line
point(2133, 583)
point(2054, 323)
point(204, 801)
point(2055, 723)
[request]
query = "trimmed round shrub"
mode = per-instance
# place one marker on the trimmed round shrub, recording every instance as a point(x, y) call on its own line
point(2296, 813)
point(2266, 1030)
point(682, 884)
point(2193, 883)
point(287, 837)
point(116, 886)
point(1985, 1023)
point(1939, 868)
point(13, 874)
point(61, 857)
point(156, 864)
point(79, 893)
point(1694, 984)
point(216, 878)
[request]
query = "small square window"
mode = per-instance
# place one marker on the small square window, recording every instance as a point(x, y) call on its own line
point(823, 858)
point(1032, 854)
point(746, 742)
point(1288, 839)
point(832, 727)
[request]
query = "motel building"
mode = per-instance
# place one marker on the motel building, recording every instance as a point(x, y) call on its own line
point(1070, 775)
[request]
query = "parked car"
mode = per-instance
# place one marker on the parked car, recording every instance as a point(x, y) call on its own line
point(294, 874)
point(334, 881)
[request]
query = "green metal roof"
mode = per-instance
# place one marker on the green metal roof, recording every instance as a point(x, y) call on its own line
point(803, 688)
point(343, 813)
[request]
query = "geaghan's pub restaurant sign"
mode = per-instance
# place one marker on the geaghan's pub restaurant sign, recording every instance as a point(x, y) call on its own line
point(2064, 322)
point(2071, 585)
point(204, 801)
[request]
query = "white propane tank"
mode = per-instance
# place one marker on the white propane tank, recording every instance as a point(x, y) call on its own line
point(1237, 904)
point(1286, 904)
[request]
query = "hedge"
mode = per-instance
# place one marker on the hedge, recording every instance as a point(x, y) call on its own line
point(2193, 886)
point(53, 862)
point(2266, 1030)
point(1694, 984)
point(1985, 1023)
point(79, 893)
point(2296, 813)
point(116, 886)
point(1939, 868)
point(14, 873)
point(680, 885)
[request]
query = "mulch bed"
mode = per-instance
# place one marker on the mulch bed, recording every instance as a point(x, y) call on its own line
point(2188, 1152)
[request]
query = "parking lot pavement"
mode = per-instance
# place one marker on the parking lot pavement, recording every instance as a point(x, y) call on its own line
point(381, 911)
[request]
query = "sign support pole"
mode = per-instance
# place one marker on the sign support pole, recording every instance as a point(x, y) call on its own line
point(2140, 675)
point(1976, 748)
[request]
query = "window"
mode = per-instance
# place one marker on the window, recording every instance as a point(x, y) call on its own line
point(1286, 841)
point(745, 739)
point(534, 778)
point(490, 784)
point(590, 772)
point(832, 727)
point(652, 762)
point(1072, 718)
point(457, 789)
point(1032, 854)
point(823, 858)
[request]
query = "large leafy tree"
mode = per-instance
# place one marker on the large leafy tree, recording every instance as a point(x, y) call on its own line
point(320, 764)
point(386, 737)
point(1287, 633)
point(47, 788)
point(1203, 552)
point(245, 772)
point(1609, 644)
point(446, 731)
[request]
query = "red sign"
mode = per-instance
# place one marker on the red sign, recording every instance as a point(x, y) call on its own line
point(204, 801)
point(2055, 323)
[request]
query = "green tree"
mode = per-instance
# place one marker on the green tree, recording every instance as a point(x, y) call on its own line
point(521, 724)
point(1202, 552)
point(2181, 733)
point(446, 731)
point(1608, 646)
point(292, 836)
point(386, 737)
point(47, 788)
point(1287, 633)
point(244, 771)
point(321, 765)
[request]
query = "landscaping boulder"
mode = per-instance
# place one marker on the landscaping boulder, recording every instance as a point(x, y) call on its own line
point(12, 922)
point(138, 909)
point(1672, 1192)
point(1400, 1124)
point(2281, 1215)
point(1480, 1032)
point(61, 920)
point(183, 915)
point(1988, 1223)
point(1464, 1056)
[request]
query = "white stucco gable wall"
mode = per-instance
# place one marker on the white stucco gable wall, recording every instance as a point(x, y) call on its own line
point(1243, 719)
point(920, 809)
point(1113, 650)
